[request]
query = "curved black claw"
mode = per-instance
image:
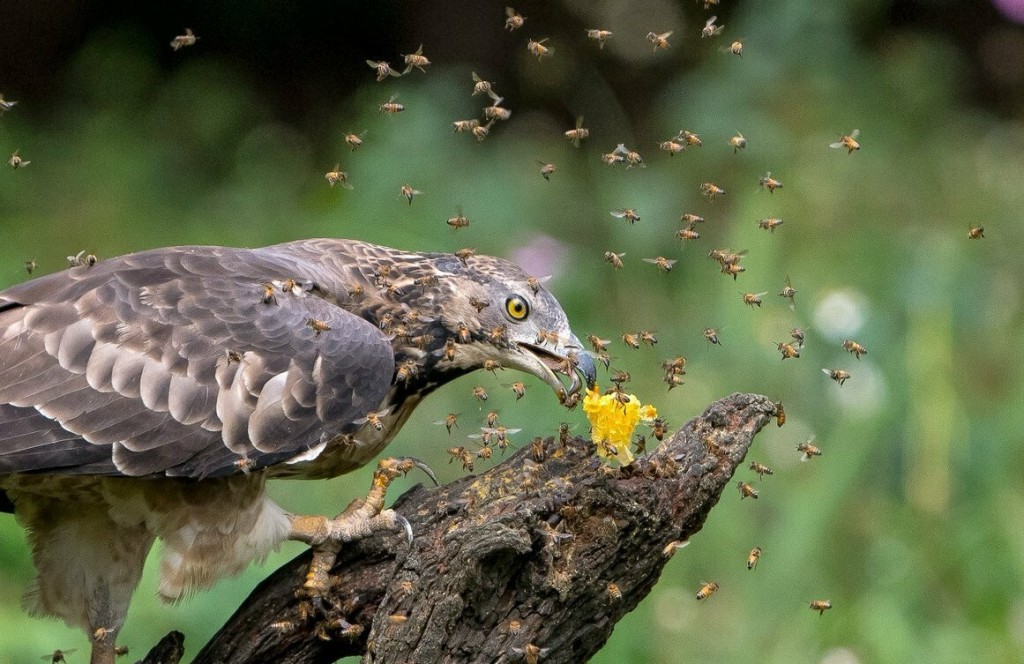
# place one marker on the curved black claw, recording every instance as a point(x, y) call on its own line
point(406, 525)
point(408, 463)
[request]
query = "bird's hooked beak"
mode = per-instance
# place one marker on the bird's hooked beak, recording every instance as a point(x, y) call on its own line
point(569, 359)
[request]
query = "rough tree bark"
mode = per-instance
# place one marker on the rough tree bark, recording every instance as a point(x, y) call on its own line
point(514, 564)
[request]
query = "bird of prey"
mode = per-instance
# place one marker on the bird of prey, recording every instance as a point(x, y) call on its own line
point(153, 395)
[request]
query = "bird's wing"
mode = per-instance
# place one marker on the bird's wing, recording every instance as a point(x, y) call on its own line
point(171, 362)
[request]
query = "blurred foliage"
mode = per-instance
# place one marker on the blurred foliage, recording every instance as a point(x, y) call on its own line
point(912, 521)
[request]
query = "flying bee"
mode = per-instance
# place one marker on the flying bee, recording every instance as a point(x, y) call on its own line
point(659, 427)
point(448, 354)
point(496, 111)
point(710, 29)
point(732, 269)
point(780, 414)
point(546, 170)
point(383, 69)
point(491, 419)
point(753, 557)
point(690, 218)
point(647, 338)
point(736, 48)
point(671, 147)
point(484, 452)
point(752, 299)
point(355, 141)
point(514, 20)
point(837, 375)
point(531, 653)
point(659, 40)
point(711, 190)
point(612, 158)
point(807, 450)
point(480, 393)
point(769, 224)
point(539, 49)
point(789, 293)
point(563, 433)
point(391, 106)
point(481, 86)
point(408, 193)
point(464, 254)
point(16, 161)
point(689, 138)
point(30, 265)
point(570, 401)
point(820, 605)
point(976, 232)
point(629, 214)
point(768, 182)
point(614, 594)
point(847, 142)
point(707, 590)
point(519, 389)
point(688, 233)
point(337, 176)
point(417, 60)
point(6, 105)
point(603, 358)
point(373, 418)
point(631, 340)
point(463, 455)
point(640, 444)
point(481, 131)
point(450, 420)
point(798, 334)
point(597, 343)
point(614, 258)
point(406, 371)
point(58, 655)
point(670, 549)
point(318, 326)
point(501, 435)
point(181, 41)
point(711, 334)
point(460, 126)
point(761, 469)
point(674, 365)
point(493, 366)
point(746, 490)
point(458, 221)
point(738, 142)
point(600, 36)
point(632, 157)
point(578, 133)
point(619, 377)
point(664, 264)
point(269, 294)
point(855, 348)
point(673, 380)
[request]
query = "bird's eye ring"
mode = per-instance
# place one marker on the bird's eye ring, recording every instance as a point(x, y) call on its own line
point(517, 307)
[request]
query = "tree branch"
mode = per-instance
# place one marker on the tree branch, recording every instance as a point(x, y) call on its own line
point(513, 564)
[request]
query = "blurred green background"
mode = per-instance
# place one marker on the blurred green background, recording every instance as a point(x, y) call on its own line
point(912, 521)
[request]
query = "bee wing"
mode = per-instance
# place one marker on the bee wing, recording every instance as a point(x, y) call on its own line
point(476, 78)
point(855, 133)
point(510, 12)
point(710, 21)
point(652, 261)
point(620, 149)
point(838, 144)
point(671, 261)
point(620, 214)
point(666, 35)
point(762, 294)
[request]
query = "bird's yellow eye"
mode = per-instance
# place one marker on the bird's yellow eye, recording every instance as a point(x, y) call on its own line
point(517, 307)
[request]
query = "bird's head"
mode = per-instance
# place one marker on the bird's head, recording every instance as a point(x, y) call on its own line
point(472, 311)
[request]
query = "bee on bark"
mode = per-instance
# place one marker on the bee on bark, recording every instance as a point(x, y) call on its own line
point(614, 594)
point(464, 254)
